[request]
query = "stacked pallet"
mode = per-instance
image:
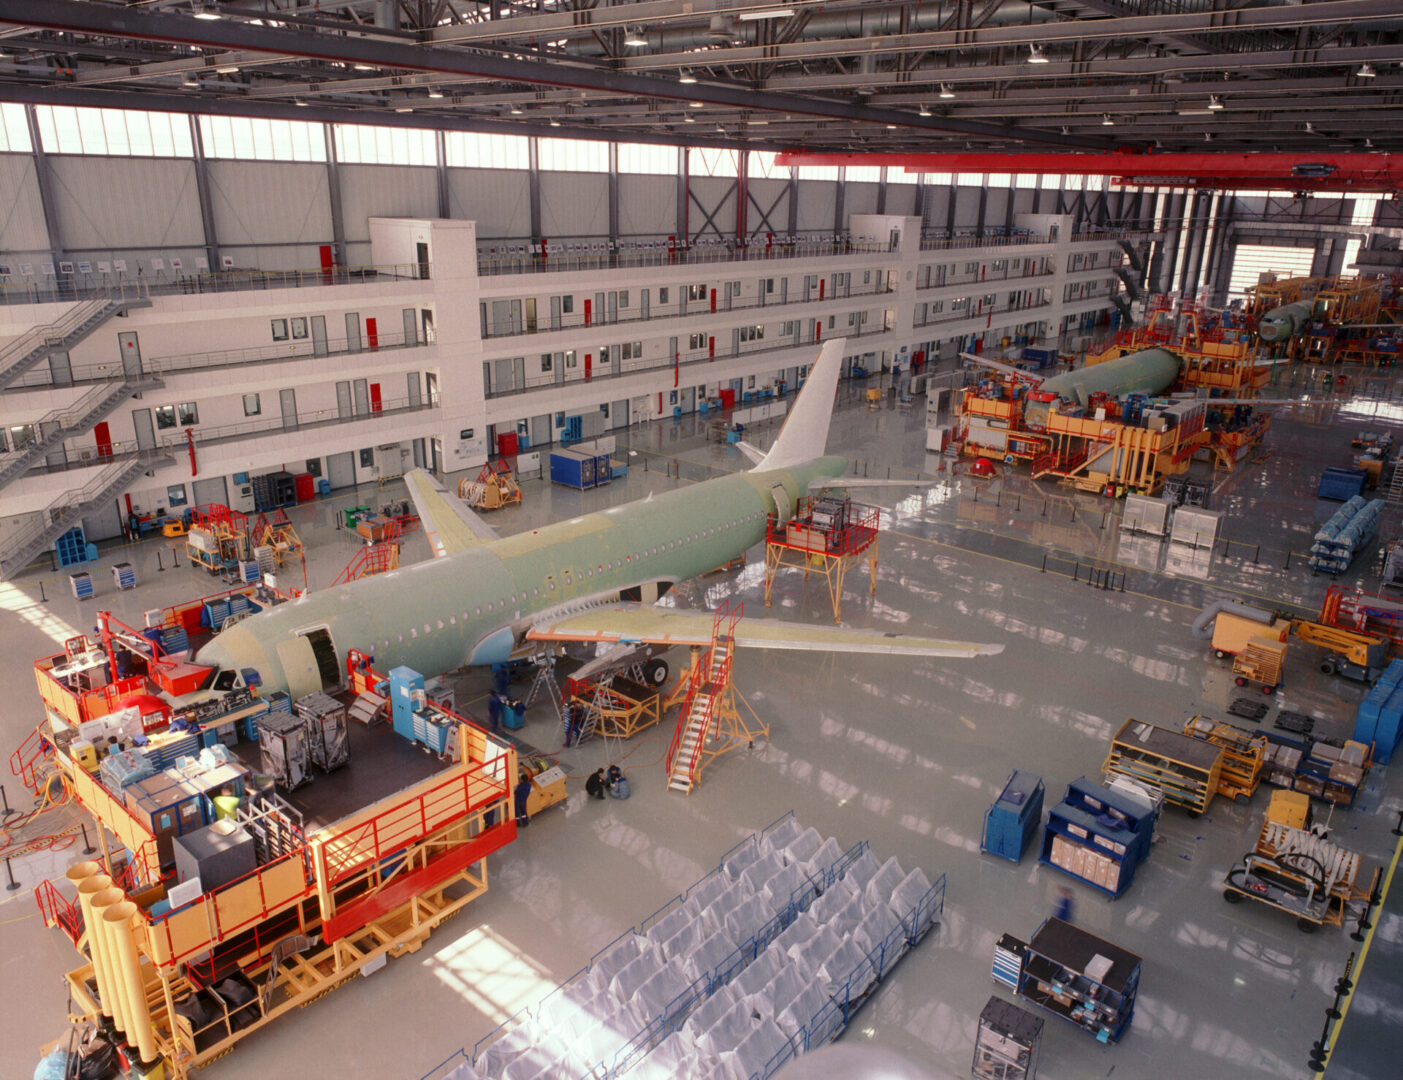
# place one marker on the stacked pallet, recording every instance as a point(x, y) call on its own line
point(1349, 529)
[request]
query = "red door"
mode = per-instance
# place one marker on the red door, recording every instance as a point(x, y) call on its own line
point(588, 311)
point(372, 333)
point(374, 394)
point(589, 364)
point(713, 299)
point(327, 263)
point(506, 444)
point(104, 439)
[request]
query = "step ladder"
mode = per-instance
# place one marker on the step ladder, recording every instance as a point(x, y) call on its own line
point(367, 708)
point(545, 683)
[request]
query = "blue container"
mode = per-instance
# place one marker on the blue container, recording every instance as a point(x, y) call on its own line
point(1342, 484)
point(573, 468)
point(513, 714)
point(1013, 818)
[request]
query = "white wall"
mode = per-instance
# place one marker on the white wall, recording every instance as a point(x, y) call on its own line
point(21, 211)
point(574, 204)
point(244, 214)
point(648, 206)
point(111, 203)
point(499, 201)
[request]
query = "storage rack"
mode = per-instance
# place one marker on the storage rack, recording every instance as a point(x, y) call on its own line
point(1081, 978)
point(1098, 836)
point(1010, 822)
point(1185, 769)
point(1243, 752)
point(1006, 1043)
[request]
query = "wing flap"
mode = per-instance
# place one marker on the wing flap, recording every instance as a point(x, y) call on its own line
point(659, 626)
point(448, 522)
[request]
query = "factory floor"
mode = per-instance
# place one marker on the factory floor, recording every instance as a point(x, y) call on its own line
point(906, 755)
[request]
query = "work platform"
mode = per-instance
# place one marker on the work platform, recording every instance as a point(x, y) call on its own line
point(827, 535)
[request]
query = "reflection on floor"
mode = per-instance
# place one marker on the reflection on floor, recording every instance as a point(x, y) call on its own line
point(906, 754)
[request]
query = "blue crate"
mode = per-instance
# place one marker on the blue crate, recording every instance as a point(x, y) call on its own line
point(1341, 484)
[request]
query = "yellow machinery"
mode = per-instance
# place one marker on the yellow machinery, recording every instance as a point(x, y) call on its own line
point(1231, 633)
point(1352, 654)
point(1262, 660)
point(279, 535)
point(1241, 770)
point(494, 488)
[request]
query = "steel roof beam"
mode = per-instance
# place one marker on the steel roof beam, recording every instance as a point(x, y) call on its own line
point(125, 22)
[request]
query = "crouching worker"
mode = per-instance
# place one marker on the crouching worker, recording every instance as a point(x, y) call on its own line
point(596, 784)
point(618, 783)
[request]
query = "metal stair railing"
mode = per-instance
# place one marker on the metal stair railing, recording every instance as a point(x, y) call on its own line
point(30, 347)
point(61, 424)
point(66, 510)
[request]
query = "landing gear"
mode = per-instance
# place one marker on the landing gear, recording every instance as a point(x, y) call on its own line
point(655, 671)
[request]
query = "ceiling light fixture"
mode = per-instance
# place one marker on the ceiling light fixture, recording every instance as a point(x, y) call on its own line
point(689, 119)
point(1035, 55)
point(404, 109)
point(765, 13)
point(1106, 120)
point(227, 69)
point(1366, 71)
point(1368, 144)
point(694, 105)
point(1066, 130)
point(1214, 103)
point(686, 77)
point(189, 82)
point(924, 110)
point(435, 92)
point(203, 11)
point(555, 123)
point(634, 39)
point(758, 122)
point(299, 102)
point(363, 67)
point(517, 110)
point(946, 92)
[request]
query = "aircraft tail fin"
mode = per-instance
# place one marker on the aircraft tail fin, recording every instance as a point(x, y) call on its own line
point(804, 435)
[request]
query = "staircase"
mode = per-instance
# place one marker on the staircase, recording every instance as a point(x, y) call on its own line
point(1133, 254)
point(28, 349)
point(1394, 495)
point(23, 544)
point(1130, 280)
point(709, 681)
point(1123, 305)
point(75, 420)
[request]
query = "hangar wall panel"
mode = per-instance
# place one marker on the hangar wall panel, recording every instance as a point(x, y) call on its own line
point(21, 211)
point(498, 200)
point(647, 206)
point(270, 202)
point(817, 201)
point(901, 198)
point(369, 191)
point(714, 195)
point(769, 207)
point(574, 204)
point(118, 204)
point(860, 198)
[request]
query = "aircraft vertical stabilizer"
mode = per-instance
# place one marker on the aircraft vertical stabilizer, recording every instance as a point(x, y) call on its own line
point(805, 432)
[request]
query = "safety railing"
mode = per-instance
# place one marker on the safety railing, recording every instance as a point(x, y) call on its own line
point(565, 256)
point(208, 436)
point(974, 280)
point(965, 243)
point(53, 333)
point(999, 313)
point(24, 762)
point(683, 361)
point(64, 287)
point(392, 829)
point(692, 309)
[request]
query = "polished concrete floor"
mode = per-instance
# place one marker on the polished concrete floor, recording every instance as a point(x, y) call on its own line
point(907, 755)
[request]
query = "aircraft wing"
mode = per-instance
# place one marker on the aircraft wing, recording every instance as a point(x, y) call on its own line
point(448, 522)
point(639, 624)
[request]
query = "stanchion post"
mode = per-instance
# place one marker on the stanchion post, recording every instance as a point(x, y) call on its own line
point(13, 885)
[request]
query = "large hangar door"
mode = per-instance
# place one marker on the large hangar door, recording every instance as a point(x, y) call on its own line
point(341, 470)
point(211, 490)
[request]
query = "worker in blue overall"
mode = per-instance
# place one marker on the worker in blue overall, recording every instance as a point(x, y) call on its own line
point(494, 710)
point(520, 795)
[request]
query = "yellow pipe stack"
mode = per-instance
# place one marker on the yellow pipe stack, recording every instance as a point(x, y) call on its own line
point(100, 902)
point(118, 918)
point(90, 880)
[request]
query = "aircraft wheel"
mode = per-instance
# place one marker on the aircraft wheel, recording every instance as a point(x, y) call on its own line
point(655, 671)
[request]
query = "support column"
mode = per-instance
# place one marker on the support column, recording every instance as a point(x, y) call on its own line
point(983, 206)
point(919, 210)
point(838, 224)
point(202, 187)
point(46, 189)
point(613, 180)
point(441, 174)
point(882, 190)
point(333, 191)
point(793, 200)
point(683, 225)
point(533, 185)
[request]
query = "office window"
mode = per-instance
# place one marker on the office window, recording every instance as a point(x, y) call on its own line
point(21, 436)
point(64, 129)
point(662, 295)
point(696, 292)
point(14, 131)
point(187, 414)
point(573, 155)
point(299, 326)
point(252, 405)
point(369, 144)
point(752, 333)
point(696, 341)
point(604, 354)
point(545, 362)
point(279, 329)
point(971, 268)
point(256, 139)
point(567, 304)
point(367, 458)
point(623, 298)
point(569, 362)
point(469, 150)
point(645, 158)
point(165, 416)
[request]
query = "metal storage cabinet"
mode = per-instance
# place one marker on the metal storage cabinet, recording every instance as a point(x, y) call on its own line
point(283, 751)
point(1006, 1043)
point(1010, 822)
point(1008, 960)
point(572, 468)
point(327, 740)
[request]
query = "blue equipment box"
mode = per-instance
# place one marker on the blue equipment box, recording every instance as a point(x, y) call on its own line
point(1012, 819)
point(574, 468)
point(1342, 484)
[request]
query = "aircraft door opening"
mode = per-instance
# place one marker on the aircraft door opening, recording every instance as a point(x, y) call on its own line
point(328, 666)
point(783, 507)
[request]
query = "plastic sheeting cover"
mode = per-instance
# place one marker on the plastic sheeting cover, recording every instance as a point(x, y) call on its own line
point(709, 955)
point(804, 846)
point(758, 1049)
point(863, 869)
point(783, 834)
point(634, 974)
point(761, 970)
point(747, 919)
point(761, 870)
point(884, 881)
point(731, 1029)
